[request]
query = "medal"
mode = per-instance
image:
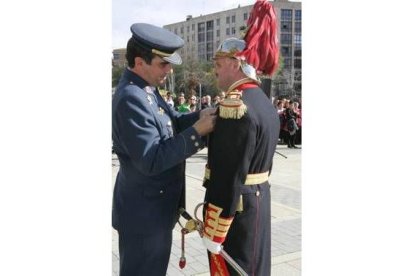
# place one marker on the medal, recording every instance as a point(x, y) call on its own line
point(149, 99)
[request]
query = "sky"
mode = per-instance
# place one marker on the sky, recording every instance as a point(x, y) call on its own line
point(161, 12)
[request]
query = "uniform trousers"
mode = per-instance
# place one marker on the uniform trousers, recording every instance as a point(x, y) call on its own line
point(249, 237)
point(144, 255)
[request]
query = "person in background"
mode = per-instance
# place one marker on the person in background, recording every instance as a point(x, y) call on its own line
point(207, 103)
point(290, 126)
point(298, 112)
point(192, 102)
point(170, 100)
point(182, 106)
point(152, 142)
point(216, 100)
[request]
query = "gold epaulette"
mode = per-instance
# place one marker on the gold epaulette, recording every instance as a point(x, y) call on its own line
point(232, 107)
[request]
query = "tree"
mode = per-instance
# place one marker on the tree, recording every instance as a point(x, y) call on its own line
point(116, 74)
point(190, 75)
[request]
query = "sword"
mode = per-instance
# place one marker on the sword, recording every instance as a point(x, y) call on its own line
point(232, 262)
point(281, 154)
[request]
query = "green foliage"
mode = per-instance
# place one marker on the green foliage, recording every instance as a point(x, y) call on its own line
point(189, 75)
point(116, 75)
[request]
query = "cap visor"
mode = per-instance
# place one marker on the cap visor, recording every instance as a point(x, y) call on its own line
point(174, 59)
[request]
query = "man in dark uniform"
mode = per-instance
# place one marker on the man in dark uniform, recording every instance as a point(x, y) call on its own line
point(152, 142)
point(241, 148)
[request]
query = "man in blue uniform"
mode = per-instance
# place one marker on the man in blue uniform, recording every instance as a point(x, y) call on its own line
point(152, 142)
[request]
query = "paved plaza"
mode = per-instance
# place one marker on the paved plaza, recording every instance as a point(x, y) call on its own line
point(285, 183)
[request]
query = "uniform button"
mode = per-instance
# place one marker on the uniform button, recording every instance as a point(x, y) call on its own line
point(257, 193)
point(192, 137)
point(161, 191)
point(196, 144)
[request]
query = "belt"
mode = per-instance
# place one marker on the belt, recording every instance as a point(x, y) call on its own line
point(251, 179)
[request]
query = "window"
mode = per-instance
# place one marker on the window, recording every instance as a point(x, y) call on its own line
point(245, 16)
point(201, 51)
point(233, 30)
point(298, 63)
point(175, 30)
point(298, 27)
point(287, 63)
point(188, 28)
point(286, 38)
point(209, 47)
point(218, 21)
point(286, 15)
point(210, 25)
point(218, 33)
point(227, 31)
point(298, 39)
point(298, 51)
point(286, 52)
point(228, 20)
point(182, 30)
point(192, 27)
point(201, 27)
point(298, 75)
point(209, 36)
point(298, 15)
point(201, 37)
point(233, 18)
point(286, 26)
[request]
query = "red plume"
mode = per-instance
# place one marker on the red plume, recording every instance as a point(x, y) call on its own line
point(262, 47)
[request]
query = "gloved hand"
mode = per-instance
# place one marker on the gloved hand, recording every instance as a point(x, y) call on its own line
point(213, 247)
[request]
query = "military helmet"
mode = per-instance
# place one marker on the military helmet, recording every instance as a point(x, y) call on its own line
point(231, 48)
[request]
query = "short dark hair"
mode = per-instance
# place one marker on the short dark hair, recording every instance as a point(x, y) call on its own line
point(135, 50)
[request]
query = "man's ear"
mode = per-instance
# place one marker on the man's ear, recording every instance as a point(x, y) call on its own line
point(138, 61)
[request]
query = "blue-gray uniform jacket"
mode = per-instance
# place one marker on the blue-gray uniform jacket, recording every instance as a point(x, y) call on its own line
point(152, 142)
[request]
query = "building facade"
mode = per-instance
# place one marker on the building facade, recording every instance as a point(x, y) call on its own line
point(203, 35)
point(118, 57)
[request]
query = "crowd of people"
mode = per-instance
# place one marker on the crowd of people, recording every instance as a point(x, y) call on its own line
point(289, 111)
point(192, 103)
point(290, 116)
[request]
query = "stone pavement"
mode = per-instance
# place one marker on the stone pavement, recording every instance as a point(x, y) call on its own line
point(285, 183)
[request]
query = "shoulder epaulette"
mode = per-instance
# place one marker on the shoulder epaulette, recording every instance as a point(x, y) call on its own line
point(232, 107)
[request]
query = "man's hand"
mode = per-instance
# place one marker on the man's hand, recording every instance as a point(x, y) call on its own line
point(206, 123)
point(213, 247)
point(208, 111)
